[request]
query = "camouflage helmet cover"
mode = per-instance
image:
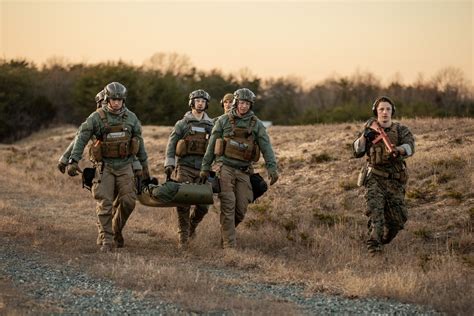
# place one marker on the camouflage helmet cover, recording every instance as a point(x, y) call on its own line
point(382, 99)
point(244, 94)
point(199, 94)
point(115, 90)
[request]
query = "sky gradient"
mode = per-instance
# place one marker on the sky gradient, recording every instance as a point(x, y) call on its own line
point(310, 40)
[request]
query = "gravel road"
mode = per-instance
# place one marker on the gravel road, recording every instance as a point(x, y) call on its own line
point(67, 291)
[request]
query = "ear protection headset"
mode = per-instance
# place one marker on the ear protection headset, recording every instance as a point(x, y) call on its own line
point(382, 99)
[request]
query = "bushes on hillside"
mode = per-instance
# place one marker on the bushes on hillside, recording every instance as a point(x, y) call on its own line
point(31, 98)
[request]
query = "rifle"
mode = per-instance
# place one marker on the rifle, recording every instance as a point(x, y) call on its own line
point(374, 125)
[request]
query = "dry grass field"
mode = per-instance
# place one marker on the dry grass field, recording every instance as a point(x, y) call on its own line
point(309, 229)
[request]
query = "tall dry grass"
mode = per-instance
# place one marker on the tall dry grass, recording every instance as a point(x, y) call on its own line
point(308, 229)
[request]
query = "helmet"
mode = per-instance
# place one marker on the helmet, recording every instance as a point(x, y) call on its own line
point(227, 97)
point(244, 94)
point(382, 99)
point(115, 90)
point(199, 94)
point(99, 97)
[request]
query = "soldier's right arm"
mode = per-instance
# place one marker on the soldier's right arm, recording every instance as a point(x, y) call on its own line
point(84, 134)
point(175, 135)
point(209, 156)
point(359, 146)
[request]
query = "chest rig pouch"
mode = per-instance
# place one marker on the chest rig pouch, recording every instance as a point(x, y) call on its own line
point(116, 141)
point(194, 143)
point(240, 144)
point(378, 153)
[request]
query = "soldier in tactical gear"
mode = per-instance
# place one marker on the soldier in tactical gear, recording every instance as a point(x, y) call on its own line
point(63, 160)
point(186, 146)
point(237, 139)
point(119, 154)
point(226, 102)
point(386, 174)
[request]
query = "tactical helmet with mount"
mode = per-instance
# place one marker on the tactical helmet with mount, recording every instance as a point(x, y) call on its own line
point(199, 94)
point(115, 90)
point(244, 94)
point(382, 99)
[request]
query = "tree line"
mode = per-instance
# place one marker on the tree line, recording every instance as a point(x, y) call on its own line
point(32, 98)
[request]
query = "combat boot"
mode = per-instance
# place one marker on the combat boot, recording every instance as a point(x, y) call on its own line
point(99, 240)
point(374, 247)
point(106, 247)
point(118, 239)
point(389, 235)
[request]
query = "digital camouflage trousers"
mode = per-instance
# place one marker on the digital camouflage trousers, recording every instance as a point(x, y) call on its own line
point(386, 210)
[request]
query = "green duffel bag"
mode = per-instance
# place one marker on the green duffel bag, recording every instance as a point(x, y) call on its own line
point(172, 193)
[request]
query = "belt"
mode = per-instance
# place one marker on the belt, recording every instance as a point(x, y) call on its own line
point(388, 175)
point(243, 169)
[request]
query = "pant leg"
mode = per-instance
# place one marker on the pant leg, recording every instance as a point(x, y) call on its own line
point(228, 201)
point(243, 195)
point(198, 211)
point(396, 213)
point(375, 197)
point(125, 197)
point(183, 174)
point(103, 192)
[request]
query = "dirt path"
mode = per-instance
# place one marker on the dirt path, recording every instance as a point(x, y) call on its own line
point(33, 279)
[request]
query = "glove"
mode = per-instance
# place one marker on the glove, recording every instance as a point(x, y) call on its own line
point(169, 170)
point(273, 177)
point(145, 173)
point(203, 175)
point(62, 167)
point(399, 151)
point(369, 134)
point(73, 169)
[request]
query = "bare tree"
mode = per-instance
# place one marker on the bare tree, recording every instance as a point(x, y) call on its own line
point(169, 63)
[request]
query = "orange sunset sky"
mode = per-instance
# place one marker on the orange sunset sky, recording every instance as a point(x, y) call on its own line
point(312, 40)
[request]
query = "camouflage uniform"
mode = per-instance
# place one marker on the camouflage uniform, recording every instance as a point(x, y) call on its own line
point(236, 191)
point(385, 183)
point(193, 134)
point(114, 178)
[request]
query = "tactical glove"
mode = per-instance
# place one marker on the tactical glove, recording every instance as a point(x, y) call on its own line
point(73, 168)
point(62, 167)
point(169, 170)
point(273, 177)
point(369, 134)
point(203, 175)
